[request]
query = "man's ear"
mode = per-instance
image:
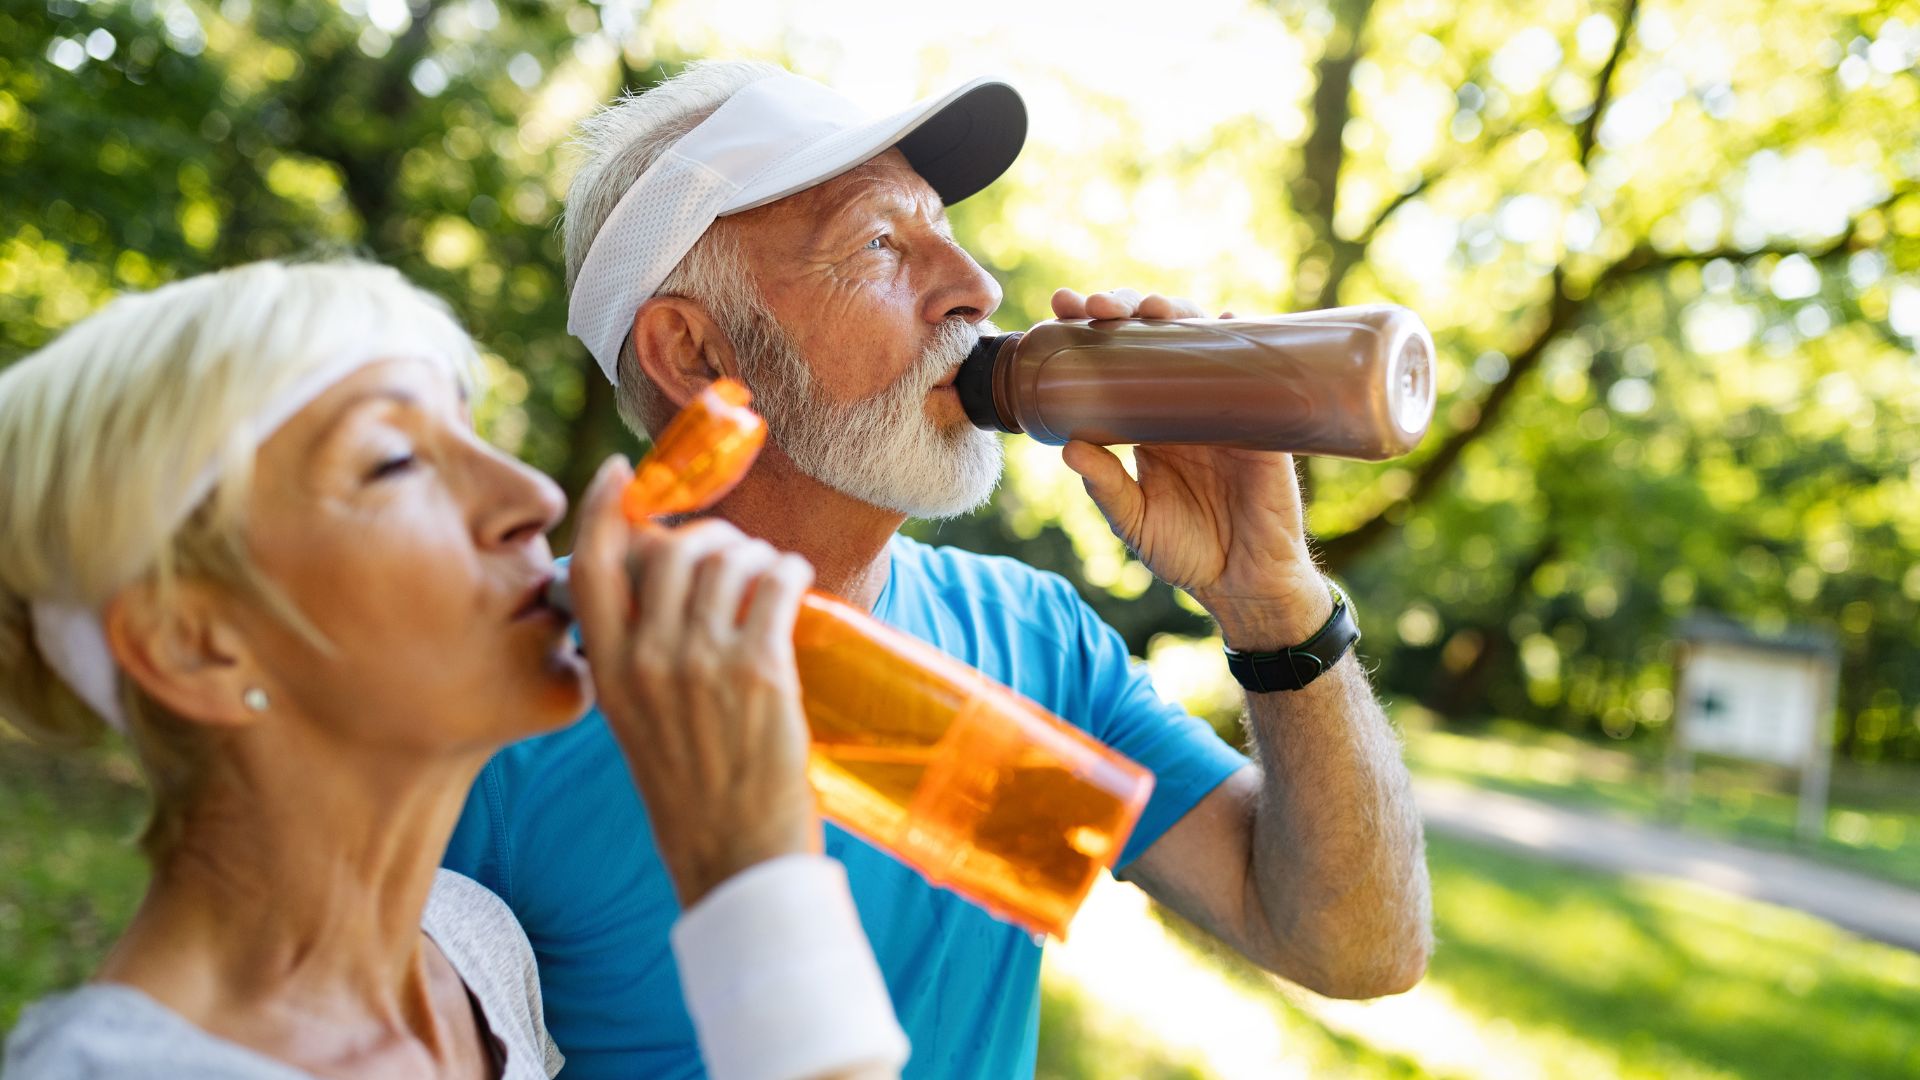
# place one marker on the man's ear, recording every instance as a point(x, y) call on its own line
point(183, 651)
point(680, 348)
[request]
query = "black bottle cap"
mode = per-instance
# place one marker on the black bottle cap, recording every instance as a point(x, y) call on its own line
point(974, 383)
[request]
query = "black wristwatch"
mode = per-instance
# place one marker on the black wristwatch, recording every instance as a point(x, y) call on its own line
point(1291, 669)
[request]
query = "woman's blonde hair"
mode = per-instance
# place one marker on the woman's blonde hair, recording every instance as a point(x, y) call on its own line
point(127, 445)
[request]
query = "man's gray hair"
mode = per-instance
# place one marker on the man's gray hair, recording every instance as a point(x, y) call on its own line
point(619, 143)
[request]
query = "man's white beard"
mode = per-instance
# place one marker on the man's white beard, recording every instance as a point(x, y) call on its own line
point(883, 449)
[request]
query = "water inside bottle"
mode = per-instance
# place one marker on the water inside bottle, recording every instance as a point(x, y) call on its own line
point(1038, 838)
point(976, 787)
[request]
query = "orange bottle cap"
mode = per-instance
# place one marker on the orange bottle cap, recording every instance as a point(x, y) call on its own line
point(701, 456)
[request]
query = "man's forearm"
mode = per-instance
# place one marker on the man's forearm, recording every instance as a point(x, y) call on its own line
point(1338, 863)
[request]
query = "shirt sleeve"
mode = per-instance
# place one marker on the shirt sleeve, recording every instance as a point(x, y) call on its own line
point(1122, 709)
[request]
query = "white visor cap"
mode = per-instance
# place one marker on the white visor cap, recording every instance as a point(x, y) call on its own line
point(774, 137)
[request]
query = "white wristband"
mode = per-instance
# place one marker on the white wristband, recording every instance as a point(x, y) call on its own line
point(779, 977)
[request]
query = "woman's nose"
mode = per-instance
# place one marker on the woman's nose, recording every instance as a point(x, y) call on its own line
point(517, 502)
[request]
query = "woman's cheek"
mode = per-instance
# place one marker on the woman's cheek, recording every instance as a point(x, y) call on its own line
point(419, 581)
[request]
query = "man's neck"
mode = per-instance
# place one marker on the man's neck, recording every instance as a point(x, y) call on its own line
point(844, 538)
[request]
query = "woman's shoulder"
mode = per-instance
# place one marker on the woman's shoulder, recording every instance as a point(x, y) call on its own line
point(479, 934)
point(468, 910)
point(485, 944)
point(105, 1031)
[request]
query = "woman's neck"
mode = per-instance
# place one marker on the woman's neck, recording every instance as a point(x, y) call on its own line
point(295, 894)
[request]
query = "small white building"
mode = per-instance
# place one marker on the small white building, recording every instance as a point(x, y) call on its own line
point(1765, 698)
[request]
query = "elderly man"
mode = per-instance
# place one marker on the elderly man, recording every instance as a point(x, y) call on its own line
point(738, 220)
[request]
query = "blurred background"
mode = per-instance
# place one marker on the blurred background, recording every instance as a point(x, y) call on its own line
point(1670, 252)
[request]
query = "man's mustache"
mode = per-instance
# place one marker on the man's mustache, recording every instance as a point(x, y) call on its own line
point(951, 344)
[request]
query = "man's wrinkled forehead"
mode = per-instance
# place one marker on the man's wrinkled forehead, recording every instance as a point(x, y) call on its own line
point(886, 183)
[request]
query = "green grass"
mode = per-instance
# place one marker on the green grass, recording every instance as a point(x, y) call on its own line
point(1580, 975)
point(1873, 815)
point(1665, 980)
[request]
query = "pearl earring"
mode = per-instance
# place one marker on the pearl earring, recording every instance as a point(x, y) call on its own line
point(255, 699)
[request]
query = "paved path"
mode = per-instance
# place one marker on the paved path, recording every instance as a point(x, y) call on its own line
point(1864, 905)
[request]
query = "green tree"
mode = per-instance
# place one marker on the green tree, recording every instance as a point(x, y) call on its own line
point(1671, 254)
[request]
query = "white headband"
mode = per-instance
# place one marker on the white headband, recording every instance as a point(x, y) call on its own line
point(776, 136)
point(74, 644)
point(70, 636)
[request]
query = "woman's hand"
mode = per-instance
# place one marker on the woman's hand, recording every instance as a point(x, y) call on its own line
point(689, 633)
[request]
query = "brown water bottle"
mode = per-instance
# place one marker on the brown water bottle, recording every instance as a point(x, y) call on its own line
point(1352, 382)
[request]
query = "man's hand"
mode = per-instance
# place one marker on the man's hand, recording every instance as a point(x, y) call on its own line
point(1310, 862)
point(1224, 524)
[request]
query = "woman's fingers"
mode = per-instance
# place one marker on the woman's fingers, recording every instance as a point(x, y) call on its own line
point(602, 592)
point(712, 727)
point(775, 605)
point(665, 577)
point(720, 587)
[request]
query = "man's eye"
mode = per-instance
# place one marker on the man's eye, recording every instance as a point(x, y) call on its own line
point(392, 467)
point(877, 242)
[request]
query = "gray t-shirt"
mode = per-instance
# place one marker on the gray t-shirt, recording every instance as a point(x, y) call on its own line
point(104, 1031)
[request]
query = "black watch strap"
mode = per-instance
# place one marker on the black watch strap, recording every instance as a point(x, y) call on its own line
point(1291, 669)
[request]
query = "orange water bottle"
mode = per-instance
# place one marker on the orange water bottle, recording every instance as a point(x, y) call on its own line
point(966, 781)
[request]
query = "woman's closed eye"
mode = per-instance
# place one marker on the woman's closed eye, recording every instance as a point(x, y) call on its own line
point(392, 465)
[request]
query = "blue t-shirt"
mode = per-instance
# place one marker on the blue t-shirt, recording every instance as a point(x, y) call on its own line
point(555, 827)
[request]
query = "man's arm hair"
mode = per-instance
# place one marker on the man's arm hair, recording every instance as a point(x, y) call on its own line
point(1311, 862)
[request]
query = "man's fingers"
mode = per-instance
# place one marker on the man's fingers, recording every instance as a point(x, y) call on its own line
point(1124, 304)
point(1154, 306)
point(1112, 490)
point(597, 574)
point(1113, 304)
point(1167, 307)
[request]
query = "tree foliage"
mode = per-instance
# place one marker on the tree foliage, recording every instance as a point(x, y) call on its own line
point(1671, 254)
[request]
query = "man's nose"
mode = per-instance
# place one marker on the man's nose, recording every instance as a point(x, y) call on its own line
point(962, 288)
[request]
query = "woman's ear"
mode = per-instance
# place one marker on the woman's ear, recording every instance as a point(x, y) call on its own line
point(680, 348)
point(183, 651)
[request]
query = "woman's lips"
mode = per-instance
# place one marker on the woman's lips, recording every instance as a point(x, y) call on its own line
point(537, 603)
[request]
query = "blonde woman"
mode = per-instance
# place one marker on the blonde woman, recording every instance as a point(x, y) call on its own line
point(246, 523)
